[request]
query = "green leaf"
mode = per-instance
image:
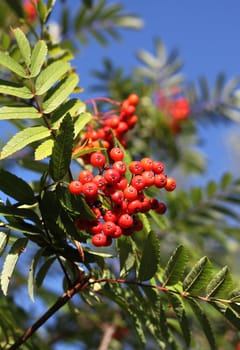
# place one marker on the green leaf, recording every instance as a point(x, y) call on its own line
point(204, 322)
point(32, 270)
point(81, 121)
point(50, 75)
point(60, 93)
point(150, 258)
point(44, 270)
point(62, 150)
point(225, 180)
point(19, 225)
point(39, 55)
point(8, 112)
point(130, 22)
point(8, 62)
point(10, 262)
point(220, 285)
point(4, 236)
point(180, 312)
point(198, 277)
point(21, 191)
point(175, 267)
point(126, 256)
point(24, 138)
point(211, 188)
point(13, 89)
point(23, 45)
point(44, 150)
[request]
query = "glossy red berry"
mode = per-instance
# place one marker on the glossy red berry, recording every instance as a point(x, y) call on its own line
point(99, 240)
point(117, 197)
point(97, 159)
point(136, 167)
point(130, 193)
point(137, 224)
point(100, 181)
point(158, 167)
point(170, 185)
point(95, 229)
point(138, 182)
point(160, 180)
point(147, 163)
point(120, 166)
point(112, 176)
point(75, 187)
point(109, 228)
point(134, 207)
point(90, 189)
point(85, 176)
point(110, 215)
point(148, 177)
point(117, 233)
point(116, 154)
point(125, 221)
point(122, 184)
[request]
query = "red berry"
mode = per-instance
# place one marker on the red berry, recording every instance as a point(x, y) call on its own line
point(85, 176)
point(158, 167)
point(99, 240)
point(116, 154)
point(134, 207)
point(100, 181)
point(147, 163)
point(109, 228)
point(130, 193)
point(122, 128)
point(133, 99)
point(95, 229)
point(125, 221)
point(146, 206)
point(97, 159)
point(136, 168)
point(161, 209)
point(148, 177)
point(170, 185)
point(90, 189)
point(122, 184)
point(120, 166)
point(110, 215)
point(117, 197)
point(138, 182)
point(160, 180)
point(117, 233)
point(112, 176)
point(75, 187)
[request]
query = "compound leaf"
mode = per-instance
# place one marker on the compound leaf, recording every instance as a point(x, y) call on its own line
point(23, 45)
point(9, 112)
point(14, 89)
point(220, 284)
point(8, 62)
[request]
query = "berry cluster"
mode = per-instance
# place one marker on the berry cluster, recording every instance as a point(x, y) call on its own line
point(114, 200)
point(114, 123)
point(176, 107)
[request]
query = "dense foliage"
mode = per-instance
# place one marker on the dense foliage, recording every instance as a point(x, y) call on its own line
point(111, 250)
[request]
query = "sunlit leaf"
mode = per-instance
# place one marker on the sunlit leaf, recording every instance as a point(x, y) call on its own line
point(39, 55)
point(11, 261)
point(44, 150)
point(9, 112)
point(50, 75)
point(14, 89)
point(24, 138)
point(23, 45)
point(60, 93)
point(8, 62)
